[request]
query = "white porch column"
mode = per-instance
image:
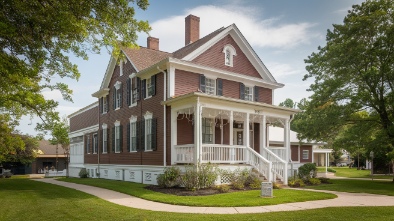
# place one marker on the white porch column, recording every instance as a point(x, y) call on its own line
point(197, 133)
point(326, 161)
point(287, 146)
point(174, 137)
point(231, 128)
point(246, 131)
point(263, 132)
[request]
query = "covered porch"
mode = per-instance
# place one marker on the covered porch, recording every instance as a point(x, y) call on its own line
point(211, 129)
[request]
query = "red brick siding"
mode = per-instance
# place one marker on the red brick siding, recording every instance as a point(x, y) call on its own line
point(86, 119)
point(186, 82)
point(304, 147)
point(123, 114)
point(214, 57)
point(185, 131)
point(265, 95)
point(226, 132)
point(230, 89)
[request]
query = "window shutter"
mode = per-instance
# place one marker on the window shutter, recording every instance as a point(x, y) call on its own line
point(138, 134)
point(202, 83)
point(120, 91)
point(143, 89)
point(86, 144)
point(142, 135)
point(219, 87)
point(128, 137)
point(138, 88)
point(113, 139)
point(121, 138)
point(108, 140)
point(153, 82)
point(241, 91)
point(256, 93)
point(154, 133)
point(128, 90)
point(107, 102)
point(114, 98)
point(101, 105)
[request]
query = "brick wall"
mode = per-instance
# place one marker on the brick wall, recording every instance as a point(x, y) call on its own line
point(185, 131)
point(86, 119)
point(294, 152)
point(186, 82)
point(214, 57)
point(265, 95)
point(305, 147)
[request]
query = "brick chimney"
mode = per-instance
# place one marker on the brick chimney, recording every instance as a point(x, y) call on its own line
point(152, 43)
point(192, 29)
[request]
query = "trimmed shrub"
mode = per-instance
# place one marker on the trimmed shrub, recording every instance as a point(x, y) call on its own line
point(296, 183)
point(239, 178)
point(199, 176)
point(83, 173)
point(314, 181)
point(331, 170)
point(253, 181)
point(325, 180)
point(223, 188)
point(307, 171)
point(169, 178)
point(276, 185)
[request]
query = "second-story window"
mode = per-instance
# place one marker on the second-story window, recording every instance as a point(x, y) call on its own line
point(245, 92)
point(150, 87)
point(117, 138)
point(117, 95)
point(210, 86)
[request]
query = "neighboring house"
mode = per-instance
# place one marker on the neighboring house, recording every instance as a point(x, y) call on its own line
point(46, 158)
point(209, 101)
point(301, 151)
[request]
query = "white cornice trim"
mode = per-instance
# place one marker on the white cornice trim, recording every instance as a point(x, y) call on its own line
point(101, 93)
point(80, 111)
point(83, 131)
point(108, 73)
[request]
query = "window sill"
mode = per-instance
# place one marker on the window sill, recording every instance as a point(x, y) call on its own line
point(148, 150)
point(104, 113)
point(118, 108)
point(104, 152)
point(133, 105)
point(117, 151)
point(133, 151)
point(147, 97)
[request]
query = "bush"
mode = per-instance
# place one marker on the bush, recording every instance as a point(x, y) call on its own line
point(325, 180)
point(296, 183)
point(307, 171)
point(223, 188)
point(199, 176)
point(83, 173)
point(276, 185)
point(331, 170)
point(314, 181)
point(238, 178)
point(253, 181)
point(169, 178)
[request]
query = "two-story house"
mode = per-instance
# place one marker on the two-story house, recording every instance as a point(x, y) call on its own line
point(209, 101)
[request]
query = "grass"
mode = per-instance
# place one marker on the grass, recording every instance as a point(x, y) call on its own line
point(354, 173)
point(24, 199)
point(243, 198)
point(358, 186)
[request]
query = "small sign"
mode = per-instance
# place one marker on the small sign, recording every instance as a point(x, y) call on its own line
point(266, 189)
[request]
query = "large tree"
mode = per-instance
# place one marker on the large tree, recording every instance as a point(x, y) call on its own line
point(353, 73)
point(36, 39)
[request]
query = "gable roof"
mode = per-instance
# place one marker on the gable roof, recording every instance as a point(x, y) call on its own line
point(143, 57)
point(47, 148)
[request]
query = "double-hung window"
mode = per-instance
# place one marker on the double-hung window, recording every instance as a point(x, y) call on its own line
point(117, 95)
point(207, 130)
point(105, 138)
point(305, 154)
point(148, 134)
point(117, 139)
point(132, 134)
point(246, 92)
point(95, 143)
point(210, 86)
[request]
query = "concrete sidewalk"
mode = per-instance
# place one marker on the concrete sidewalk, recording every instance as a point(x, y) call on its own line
point(344, 199)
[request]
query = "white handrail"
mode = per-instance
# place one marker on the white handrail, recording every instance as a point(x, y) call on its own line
point(259, 163)
point(279, 166)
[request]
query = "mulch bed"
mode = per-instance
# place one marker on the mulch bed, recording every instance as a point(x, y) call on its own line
point(179, 191)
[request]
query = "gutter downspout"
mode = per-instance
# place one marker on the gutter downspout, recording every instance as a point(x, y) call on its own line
point(165, 117)
point(98, 149)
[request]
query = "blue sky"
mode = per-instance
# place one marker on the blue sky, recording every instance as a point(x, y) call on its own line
point(283, 34)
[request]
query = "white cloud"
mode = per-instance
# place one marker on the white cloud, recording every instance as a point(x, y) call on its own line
point(269, 32)
point(281, 70)
point(53, 95)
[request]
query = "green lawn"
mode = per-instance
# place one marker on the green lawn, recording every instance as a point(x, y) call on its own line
point(245, 198)
point(23, 199)
point(358, 186)
point(353, 173)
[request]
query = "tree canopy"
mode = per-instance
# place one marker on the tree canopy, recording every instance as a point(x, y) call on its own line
point(354, 79)
point(36, 40)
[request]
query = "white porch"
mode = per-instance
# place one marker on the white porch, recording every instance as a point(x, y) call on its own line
point(229, 131)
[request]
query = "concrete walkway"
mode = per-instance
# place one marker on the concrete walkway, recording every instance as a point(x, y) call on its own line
point(344, 199)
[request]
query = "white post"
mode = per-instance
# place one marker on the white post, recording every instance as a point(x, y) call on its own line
point(246, 131)
point(326, 161)
point(231, 128)
point(263, 132)
point(197, 134)
point(287, 146)
point(174, 138)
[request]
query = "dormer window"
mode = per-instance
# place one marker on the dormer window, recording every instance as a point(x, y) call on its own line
point(229, 53)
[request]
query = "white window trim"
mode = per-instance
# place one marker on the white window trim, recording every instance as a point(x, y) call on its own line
point(131, 76)
point(121, 68)
point(117, 86)
point(251, 92)
point(148, 116)
point(104, 127)
point(94, 143)
point(105, 104)
point(133, 119)
point(117, 125)
point(233, 53)
point(213, 130)
point(147, 89)
point(307, 157)
point(214, 85)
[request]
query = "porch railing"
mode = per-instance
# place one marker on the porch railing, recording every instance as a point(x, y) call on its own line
point(279, 151)
point(216, 153)
point(279, 166)
point(184, 153)
point(259, 163)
